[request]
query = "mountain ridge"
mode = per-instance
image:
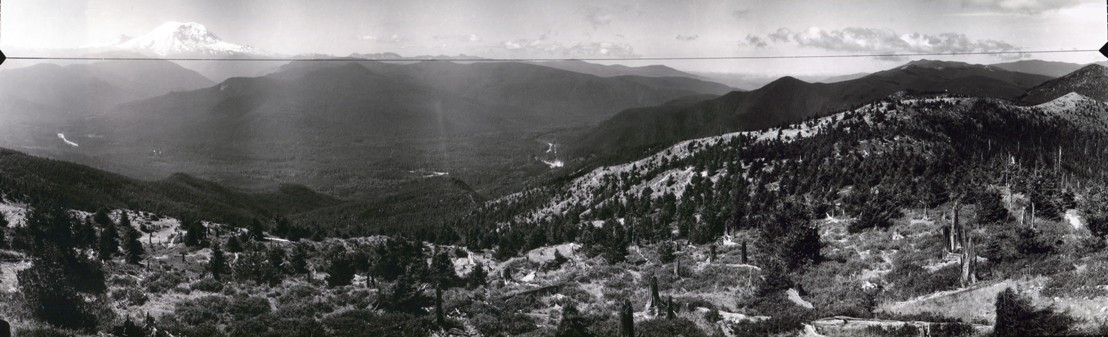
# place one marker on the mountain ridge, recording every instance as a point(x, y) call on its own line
point(788, 100)
point(1089, 81)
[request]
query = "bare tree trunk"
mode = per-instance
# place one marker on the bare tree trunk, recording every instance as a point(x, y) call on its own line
point(745, 261)
point(655, 298)
point(969, 262)
point(1032, 215)
point(954, 226)
point(969, 258)
point(677, 266)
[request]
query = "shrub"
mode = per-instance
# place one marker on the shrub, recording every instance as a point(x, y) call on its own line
point(905, 330)
point(161, 282)
point(207, 284)
point(132, 296)
point(246, 307)
point(41, 332)
point(668, 327)
point(509, 324)
point(956, 329)
point(910, 280)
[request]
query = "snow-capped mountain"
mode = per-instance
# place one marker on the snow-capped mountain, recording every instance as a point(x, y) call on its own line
point(186, 39)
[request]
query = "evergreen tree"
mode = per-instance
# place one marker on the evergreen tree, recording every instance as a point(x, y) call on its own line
point(442, 272)
point(109, 242)
point(124, 219)
point(788, 237)
point(404, 297)
point(47, 287)
point(132, 245)
point(340, 271)
point(257, 230)
point(572, 324)
point(258, 265)
point(102, 218)
point(666, 252)
point(627, 319)
point(86, 234)
point(478, 277)
point(282, 228)
point(49, 224)
point(299, 260)
point(234, 245)
point(615, 248)
point(52, 287)
point(1095, 209)
point(990, 209)
point(559, 259)
point(3, 220)
point(276, 257)
point(217, 265)
point(128, 329)
point(196, 235)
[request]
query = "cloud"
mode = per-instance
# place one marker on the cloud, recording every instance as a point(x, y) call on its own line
point(687, 38)
point(458, 38)
point(391, 39)
point(880, 41)
point(740, 14)
point(1025, 7)
point(544, 47)
point(600, 16)
point(754, 41)
point(781, 35)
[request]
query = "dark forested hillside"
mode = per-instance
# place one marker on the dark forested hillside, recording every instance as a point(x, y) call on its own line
point(31, 179)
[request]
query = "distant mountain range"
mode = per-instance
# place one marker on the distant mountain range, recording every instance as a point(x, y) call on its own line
point(616, 69)
point(790, 100)
point(1039, 67)
point(85, 88)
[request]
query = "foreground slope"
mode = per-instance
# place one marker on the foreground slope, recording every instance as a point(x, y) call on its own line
point(873, 182)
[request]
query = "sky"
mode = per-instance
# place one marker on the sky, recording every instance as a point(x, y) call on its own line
point(594, 28)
